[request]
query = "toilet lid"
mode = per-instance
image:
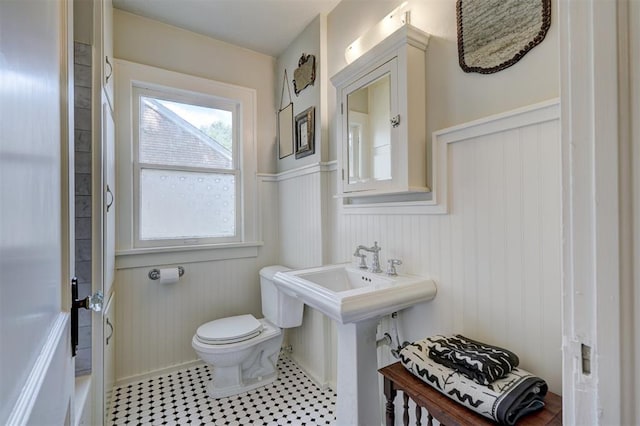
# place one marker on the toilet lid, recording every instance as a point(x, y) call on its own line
point(229, 330)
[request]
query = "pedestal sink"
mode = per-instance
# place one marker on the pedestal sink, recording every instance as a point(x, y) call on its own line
point(355, 299)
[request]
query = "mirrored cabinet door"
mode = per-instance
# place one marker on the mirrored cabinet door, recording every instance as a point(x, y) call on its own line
point(369, 104)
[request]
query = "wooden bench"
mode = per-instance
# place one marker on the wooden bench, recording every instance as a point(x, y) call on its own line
point(445, 410)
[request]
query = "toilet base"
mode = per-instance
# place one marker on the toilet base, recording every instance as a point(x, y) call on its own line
point(216, 393)
point(242, 366)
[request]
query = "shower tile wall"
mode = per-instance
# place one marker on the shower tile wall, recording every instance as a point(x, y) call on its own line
point(82, 173)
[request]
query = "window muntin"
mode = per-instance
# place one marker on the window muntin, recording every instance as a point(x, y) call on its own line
point(187, 171)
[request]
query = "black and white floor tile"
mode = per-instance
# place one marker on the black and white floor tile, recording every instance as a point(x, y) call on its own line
point(180, 398)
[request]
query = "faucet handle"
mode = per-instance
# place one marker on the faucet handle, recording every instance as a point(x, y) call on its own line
point(363, 260)
point(391, 269)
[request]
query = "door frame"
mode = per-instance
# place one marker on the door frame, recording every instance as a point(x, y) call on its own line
point(598, 196)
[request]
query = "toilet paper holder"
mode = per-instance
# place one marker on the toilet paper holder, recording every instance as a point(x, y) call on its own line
point(154, 274)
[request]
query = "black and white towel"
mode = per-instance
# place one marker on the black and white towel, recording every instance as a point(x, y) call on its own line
point(505, 400)
point(478, 361)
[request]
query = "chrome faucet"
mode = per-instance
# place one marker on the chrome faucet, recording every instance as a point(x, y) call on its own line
point(391, 270)
point(375, 262)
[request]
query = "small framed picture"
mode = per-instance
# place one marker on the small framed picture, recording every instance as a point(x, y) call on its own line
point(305, 134)
point(285, 131)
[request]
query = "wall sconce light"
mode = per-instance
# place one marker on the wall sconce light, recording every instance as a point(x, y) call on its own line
point(399, 16)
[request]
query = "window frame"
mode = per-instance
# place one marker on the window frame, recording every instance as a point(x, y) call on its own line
point(174, 95)
point(132, 77)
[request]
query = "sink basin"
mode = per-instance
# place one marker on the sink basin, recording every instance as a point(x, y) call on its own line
point(355, 299)
point(348, 294)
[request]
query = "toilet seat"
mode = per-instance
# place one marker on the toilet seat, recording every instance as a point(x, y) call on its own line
point(229, 330)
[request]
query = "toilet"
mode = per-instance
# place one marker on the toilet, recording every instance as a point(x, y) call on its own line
point(243, 350)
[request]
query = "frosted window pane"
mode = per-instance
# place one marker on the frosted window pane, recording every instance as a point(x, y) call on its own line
point(178, 134)
point(176, 204)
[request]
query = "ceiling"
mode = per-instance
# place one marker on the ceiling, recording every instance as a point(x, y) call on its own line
point(266, 26)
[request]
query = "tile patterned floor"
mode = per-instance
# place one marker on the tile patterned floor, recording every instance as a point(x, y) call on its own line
point(180, 398)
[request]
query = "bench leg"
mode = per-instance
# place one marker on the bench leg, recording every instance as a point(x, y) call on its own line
point(405, 416)
point(390, 394)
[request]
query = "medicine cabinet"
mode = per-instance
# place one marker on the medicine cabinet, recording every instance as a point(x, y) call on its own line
point(382, 112)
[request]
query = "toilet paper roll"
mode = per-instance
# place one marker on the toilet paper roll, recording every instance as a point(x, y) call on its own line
point(169, 276)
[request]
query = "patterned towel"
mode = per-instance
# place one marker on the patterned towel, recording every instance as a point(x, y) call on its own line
point(478, 361)
point(505, 400)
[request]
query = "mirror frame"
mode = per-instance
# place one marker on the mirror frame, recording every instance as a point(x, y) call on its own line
point(473, 28)
point(285, 131)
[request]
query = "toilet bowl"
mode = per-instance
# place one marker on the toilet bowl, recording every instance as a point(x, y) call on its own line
point(243, 351)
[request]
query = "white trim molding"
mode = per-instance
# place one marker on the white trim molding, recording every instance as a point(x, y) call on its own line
point(132, 75)
point(592, 68)
point(135, 258)
point(441, 139)
point(323, 167)
point(36, 382)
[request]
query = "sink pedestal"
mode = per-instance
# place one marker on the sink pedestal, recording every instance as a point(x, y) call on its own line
point(358, 401)
point(356, 300)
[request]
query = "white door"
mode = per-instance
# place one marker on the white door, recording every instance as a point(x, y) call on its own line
point(36, 367)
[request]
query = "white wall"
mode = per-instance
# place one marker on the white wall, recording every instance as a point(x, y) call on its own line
point(156, 323)
point(149, 42)
point(496, 255)
point(303, 225)
point(301, 184)
point(479, 261)
point(310, 41)
point(453, 96)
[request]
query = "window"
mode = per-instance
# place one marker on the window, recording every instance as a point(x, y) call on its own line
point(191, 146)
point(187, 171)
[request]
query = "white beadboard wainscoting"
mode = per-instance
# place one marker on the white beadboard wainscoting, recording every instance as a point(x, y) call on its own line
point(496, 256)
point(303, 194)
point(303, 222)
point(156, 322)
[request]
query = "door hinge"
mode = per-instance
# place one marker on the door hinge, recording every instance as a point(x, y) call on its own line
point(342, 174)
point(341, 108)
point(585, 352)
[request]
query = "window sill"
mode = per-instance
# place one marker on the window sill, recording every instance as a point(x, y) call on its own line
point(133, 258)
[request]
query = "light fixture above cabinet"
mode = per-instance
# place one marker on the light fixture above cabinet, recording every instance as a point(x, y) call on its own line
point(382, 112)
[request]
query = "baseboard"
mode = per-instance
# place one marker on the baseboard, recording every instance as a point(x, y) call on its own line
point(322, 384)
point(155, 373)
point(159, 372)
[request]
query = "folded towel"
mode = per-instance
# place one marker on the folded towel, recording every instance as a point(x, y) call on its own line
point(478, 361)
point(505, 400)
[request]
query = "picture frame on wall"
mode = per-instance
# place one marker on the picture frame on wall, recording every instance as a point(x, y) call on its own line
point(305, 133)
point(285, 131)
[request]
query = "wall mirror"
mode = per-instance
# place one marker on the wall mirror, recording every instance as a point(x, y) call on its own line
point(285, 131)
point(493, 35)
point(369, 127)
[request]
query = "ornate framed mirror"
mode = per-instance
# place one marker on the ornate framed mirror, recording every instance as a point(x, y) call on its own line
point(495, 34)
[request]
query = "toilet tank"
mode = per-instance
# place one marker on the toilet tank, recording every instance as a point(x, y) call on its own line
point(280, 309)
